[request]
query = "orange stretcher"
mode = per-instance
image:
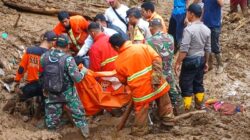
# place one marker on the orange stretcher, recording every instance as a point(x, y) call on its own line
point(95, 99)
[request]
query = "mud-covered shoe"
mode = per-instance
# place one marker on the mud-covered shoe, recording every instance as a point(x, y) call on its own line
point(9, 107)
point(219, 70)
point(167, 120)
point(85, 131)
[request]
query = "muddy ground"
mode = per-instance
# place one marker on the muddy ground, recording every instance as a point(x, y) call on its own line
point(232, 86)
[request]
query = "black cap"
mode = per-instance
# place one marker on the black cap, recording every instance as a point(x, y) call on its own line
point(62, 41)
point(62, 15)
point(100, 17)
point(50, 36)
point(117, 40)
point(134, 12)
point(196, 9)
point(155, 22)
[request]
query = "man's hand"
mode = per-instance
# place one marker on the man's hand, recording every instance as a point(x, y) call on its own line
point(17, 90)
point(206, 68)
point(177, 68)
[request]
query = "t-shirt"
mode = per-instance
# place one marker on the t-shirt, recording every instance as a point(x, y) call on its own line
point(113, 18)
point(196, 39)
point(212, 13)
point(179, 7)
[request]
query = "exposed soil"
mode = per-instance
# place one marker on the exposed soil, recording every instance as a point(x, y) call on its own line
point(232, 86)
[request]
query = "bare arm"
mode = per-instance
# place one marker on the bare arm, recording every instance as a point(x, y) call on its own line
point(220, 2)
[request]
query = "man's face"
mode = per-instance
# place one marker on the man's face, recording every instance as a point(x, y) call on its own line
point(113, 3)
point(132, 20)
point(189, 16)
point(145, 14)
point(65, 22)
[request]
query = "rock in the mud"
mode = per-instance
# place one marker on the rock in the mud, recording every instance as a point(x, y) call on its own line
point(9, 79)
point(4, 63)
point(2, 73)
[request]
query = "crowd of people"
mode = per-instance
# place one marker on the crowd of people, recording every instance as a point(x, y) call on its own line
point(137, 44)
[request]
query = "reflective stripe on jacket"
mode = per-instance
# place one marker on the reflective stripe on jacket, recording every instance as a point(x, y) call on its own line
point(134, 67)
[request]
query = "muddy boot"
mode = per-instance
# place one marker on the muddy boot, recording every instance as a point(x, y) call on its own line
point(220, 68)
point(9, 107)
point(85, 131)
point(167, 120)
point(199, 101)
point(210, 62)
point(244, 11)
point(140, 131)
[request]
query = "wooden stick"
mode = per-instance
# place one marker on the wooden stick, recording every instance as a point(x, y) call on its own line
point(125, 116)
point(18, 18)
point(189, 114)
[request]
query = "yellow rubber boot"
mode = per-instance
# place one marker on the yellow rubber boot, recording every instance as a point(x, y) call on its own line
point(187, 102)
point(199, 98)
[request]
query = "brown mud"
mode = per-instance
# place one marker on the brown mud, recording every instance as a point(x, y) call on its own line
point(232, 86)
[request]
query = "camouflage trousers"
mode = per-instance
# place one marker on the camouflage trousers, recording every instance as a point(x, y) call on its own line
point(54, 110)
point(174, 95)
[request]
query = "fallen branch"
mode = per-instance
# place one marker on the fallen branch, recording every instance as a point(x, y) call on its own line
point(43, 11)
point(189, 114)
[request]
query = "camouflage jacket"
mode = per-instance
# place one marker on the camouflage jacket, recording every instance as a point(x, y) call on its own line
point(71, 75)
point(163, 44)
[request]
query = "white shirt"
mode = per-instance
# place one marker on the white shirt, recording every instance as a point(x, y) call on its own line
point(144, 25)
point(113, 18)
point(89, 41)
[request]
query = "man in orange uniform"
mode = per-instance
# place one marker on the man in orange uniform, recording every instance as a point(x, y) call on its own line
point(140, 67)
point(148, 12)
point(76, 28)
point(30, 63)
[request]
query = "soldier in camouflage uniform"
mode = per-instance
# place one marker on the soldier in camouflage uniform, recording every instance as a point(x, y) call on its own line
point(163, 44)
point(54, 102)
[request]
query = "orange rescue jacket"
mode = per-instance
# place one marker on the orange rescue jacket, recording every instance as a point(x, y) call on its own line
point(78, 32)
point(30, 63)
point(134, 67)
point(154, 16)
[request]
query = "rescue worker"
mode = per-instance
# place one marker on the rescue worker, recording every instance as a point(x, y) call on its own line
point(69, 96)
point(212, 19)
point(140, 67)
point(148, 12)
point(194, 54)
point(177, 21)
point(89, 42)
point(30, 64)
point(101, 54)
point(76, 28)
point(100, 18)
point(138, 30)
point(116, 14)
point(243, 5)
point(163, 44)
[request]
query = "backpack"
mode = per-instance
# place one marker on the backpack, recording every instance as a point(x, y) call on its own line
point(53, 75)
